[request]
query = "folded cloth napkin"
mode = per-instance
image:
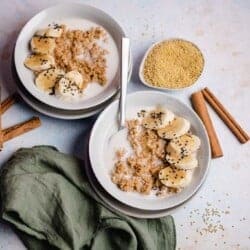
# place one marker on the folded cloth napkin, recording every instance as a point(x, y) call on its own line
point(46, 196)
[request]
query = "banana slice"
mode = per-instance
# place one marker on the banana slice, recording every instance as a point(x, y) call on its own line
point(182, 161)
point(66, 89)
point(158, 118)
point(70, 86)
point(178, 127)
point(39, 62)
point(47, 79)
point(175, 178)
point(42, 45)
point(184, 145)
point(75, 77)
point(55, 32)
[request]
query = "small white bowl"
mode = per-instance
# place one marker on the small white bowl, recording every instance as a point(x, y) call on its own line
point(163, 88)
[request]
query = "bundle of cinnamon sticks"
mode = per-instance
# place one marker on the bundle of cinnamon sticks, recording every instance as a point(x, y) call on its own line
point(18, 129)
point(198, 102)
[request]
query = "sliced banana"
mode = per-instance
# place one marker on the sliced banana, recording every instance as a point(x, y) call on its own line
point(42, 45)
point(184, 145)
point(178, 127)
point(38, 62)
point(70, 86)
point(66, 89)
point(55, 32)
point(47, 79)
point(158, 118)
point(75, 77)
point(182, 161)
point(175, 178)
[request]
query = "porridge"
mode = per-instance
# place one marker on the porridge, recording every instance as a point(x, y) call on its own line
point(163, 154)
point(65, 61)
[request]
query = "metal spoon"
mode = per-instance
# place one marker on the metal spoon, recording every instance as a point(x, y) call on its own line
point(124, 81)
point(122, 131)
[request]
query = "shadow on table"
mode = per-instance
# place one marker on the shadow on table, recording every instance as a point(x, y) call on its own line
point(135, 70)
point(5, 61)
point(80, 141)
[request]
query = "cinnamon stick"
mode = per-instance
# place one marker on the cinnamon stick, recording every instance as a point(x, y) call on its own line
point(1, 133)
point(7, 103)
point(199, 106)
point(21, 128)
point(228, 119)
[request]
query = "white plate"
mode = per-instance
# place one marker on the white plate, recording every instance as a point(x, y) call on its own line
point(46, 110)
point(141, 76)
point(106, 125)
point(53, 112)
point(74, 16)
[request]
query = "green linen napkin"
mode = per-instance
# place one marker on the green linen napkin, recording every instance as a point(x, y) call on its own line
point(46, 196)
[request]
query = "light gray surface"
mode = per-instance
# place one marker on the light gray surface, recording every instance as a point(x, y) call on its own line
point(221, 30)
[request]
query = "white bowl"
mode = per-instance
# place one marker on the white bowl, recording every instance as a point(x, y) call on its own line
point(141, 76)
point(106, 125)
point(74, 16)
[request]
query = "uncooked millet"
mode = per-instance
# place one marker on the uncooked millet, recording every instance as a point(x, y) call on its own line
point(173, 64)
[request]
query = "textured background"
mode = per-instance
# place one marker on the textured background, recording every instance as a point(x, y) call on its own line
point(221, 30)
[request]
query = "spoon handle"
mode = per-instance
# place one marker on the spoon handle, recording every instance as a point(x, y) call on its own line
point(124, 79)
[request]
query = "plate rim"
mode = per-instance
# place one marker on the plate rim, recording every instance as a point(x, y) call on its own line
point(203, 178)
